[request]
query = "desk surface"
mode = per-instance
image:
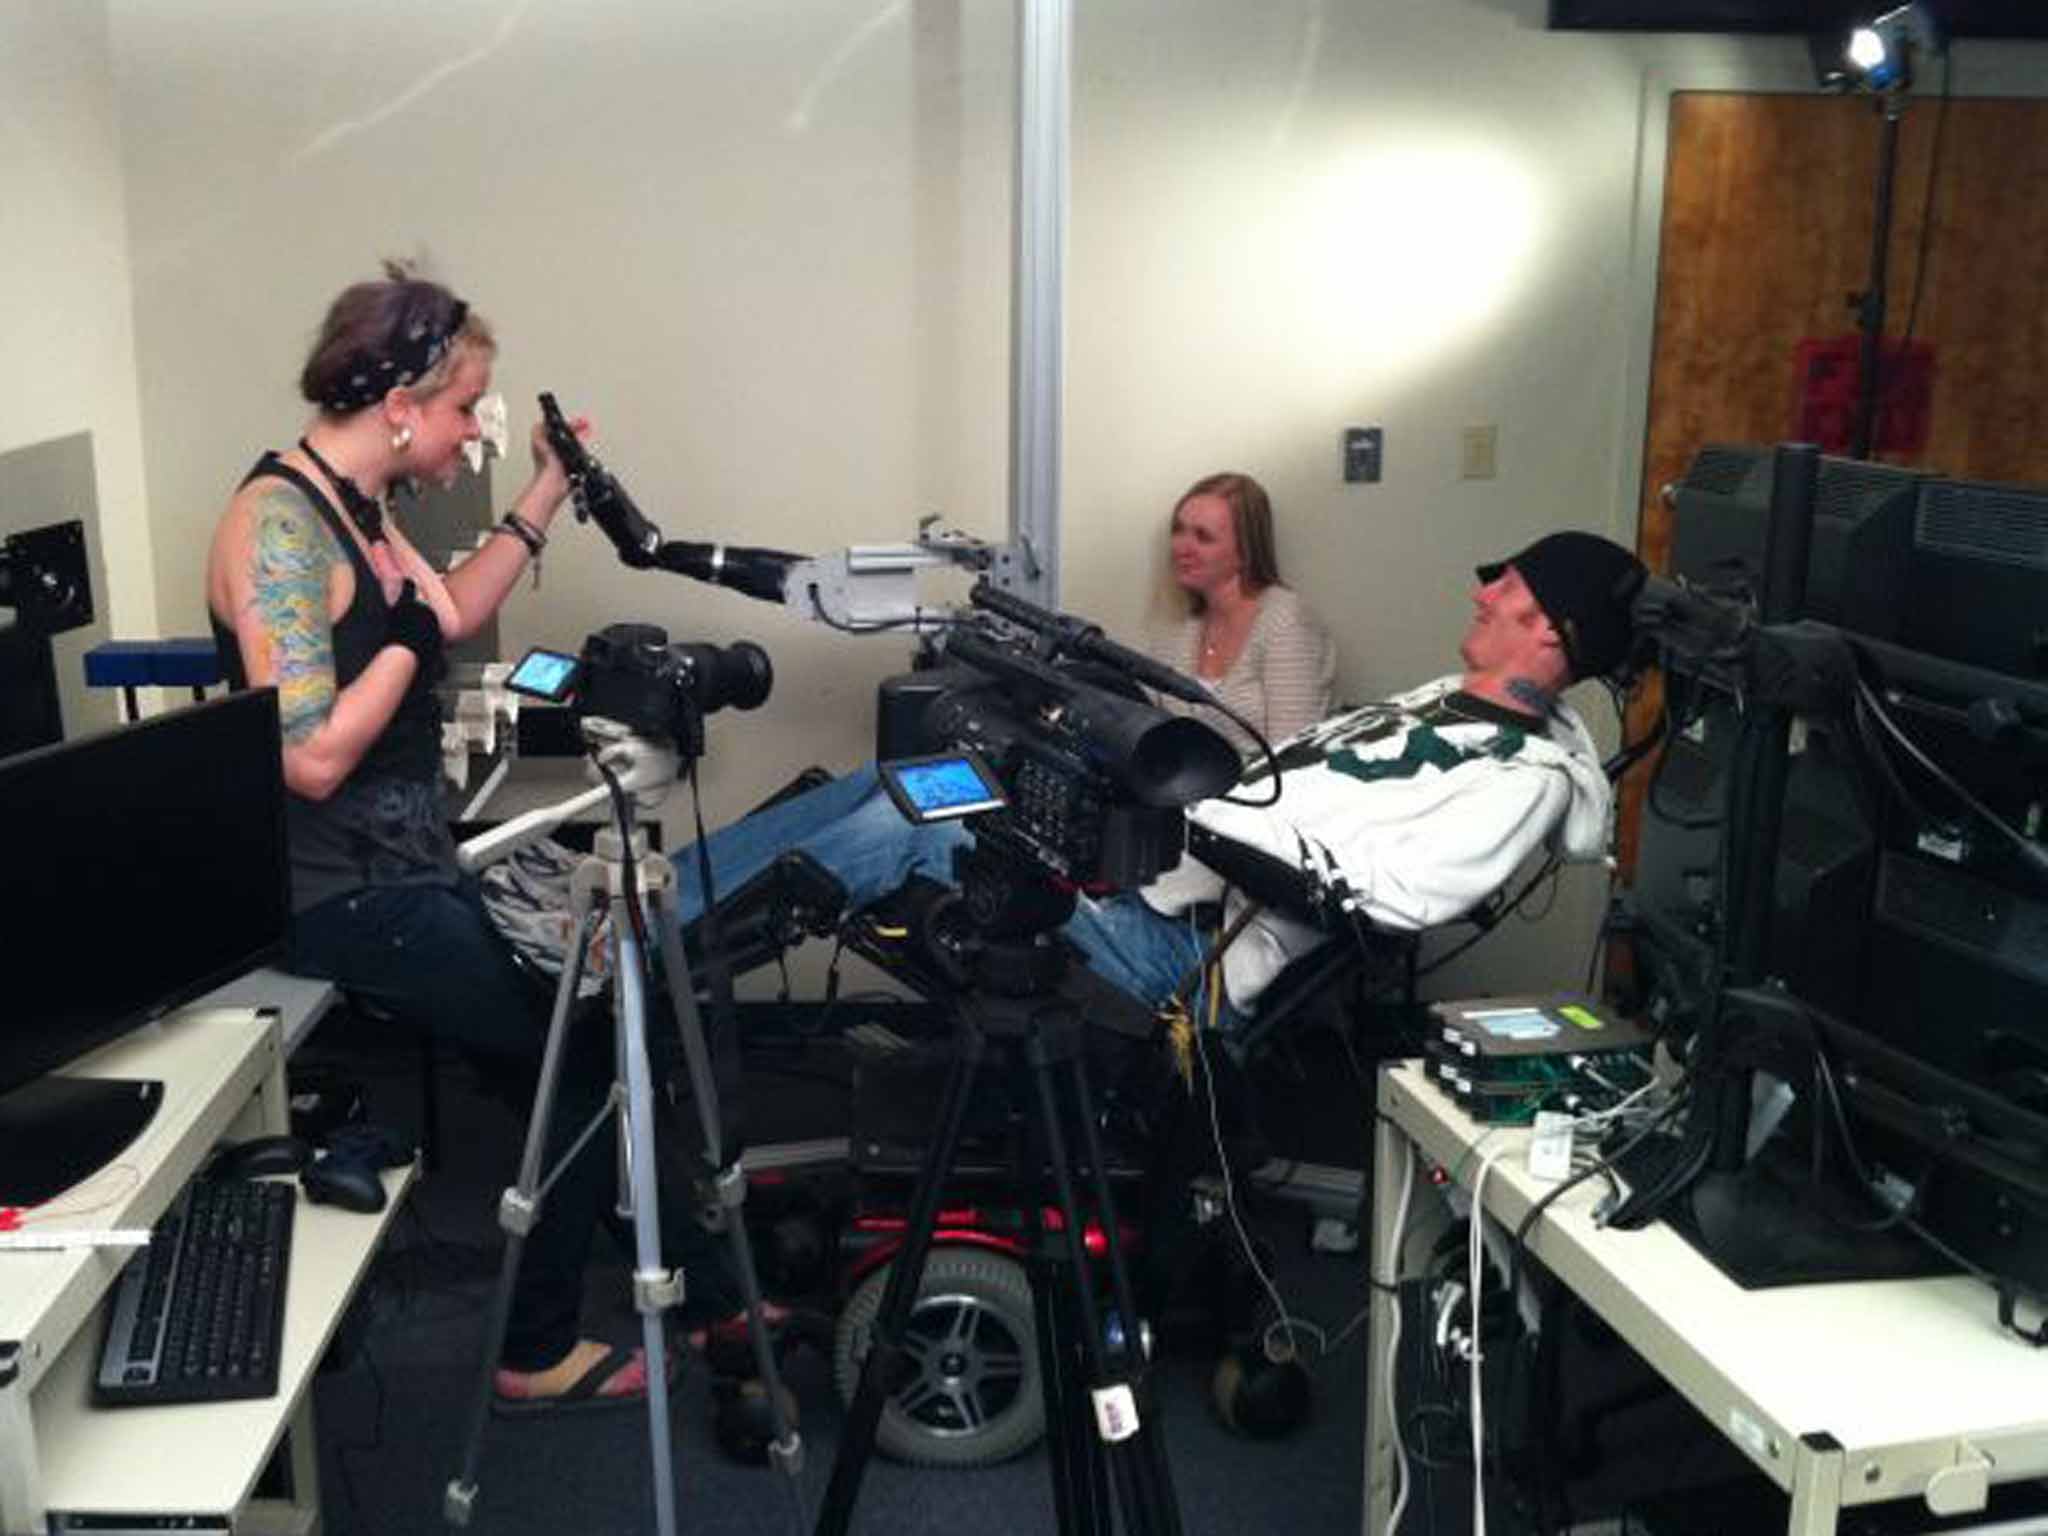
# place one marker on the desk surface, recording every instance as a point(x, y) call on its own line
point(210, 1062)
point(204, 1458)
point(222, 1069)
point(300, 1001)
point(1898, 1372)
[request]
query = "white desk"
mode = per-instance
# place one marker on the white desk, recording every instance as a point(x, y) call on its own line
point(222, 1070)
point(1841, 1394)
point(300, 1001)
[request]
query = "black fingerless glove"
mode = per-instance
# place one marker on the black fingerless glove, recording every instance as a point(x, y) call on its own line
point(413, 625)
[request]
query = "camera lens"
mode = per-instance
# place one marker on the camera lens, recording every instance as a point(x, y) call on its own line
point(738, 674)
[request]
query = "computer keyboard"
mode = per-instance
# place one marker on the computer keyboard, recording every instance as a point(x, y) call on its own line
point(199, 1314)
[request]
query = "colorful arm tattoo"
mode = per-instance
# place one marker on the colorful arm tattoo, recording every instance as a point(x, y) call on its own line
point(289, 562)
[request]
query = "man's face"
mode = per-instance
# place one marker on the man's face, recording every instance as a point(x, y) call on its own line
point(1508, 628)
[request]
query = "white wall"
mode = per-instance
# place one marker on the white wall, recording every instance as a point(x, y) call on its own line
point(766, 245)
point(67, 356)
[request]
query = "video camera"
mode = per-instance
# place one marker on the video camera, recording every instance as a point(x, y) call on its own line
point(1048, 747)
point(631, 674)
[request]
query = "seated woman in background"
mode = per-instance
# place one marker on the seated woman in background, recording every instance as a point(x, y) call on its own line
point(1251, 639)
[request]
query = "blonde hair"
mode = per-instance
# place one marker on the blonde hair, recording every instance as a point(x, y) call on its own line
point(1251, 523)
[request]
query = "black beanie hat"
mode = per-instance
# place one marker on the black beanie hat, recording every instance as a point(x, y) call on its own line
point(1584, 585)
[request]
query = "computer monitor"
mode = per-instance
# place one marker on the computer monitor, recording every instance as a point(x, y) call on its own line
point(146, 865)
point(1978, 586)
point(1940, 1027)
point(1863, 518)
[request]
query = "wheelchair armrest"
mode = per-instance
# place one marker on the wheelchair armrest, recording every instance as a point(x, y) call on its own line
point(1271, 882)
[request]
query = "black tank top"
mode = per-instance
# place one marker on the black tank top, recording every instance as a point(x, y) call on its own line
point(385, 824)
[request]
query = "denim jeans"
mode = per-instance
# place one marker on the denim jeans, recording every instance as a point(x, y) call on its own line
point(429, 956)
point(850, 826)
point(854, 830)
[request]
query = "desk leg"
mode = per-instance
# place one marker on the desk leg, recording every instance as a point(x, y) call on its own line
point(1816, 1486)
point(1388, 1162)
point(300, 1514)
point(21, 1502)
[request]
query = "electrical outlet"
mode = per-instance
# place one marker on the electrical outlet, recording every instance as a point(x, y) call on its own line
point(1362, 455)
point(1476, 453)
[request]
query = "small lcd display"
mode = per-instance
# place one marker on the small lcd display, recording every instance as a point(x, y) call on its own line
point(543, 674)
point(943, 786)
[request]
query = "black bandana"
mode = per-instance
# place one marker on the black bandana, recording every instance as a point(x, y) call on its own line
point(409, 354)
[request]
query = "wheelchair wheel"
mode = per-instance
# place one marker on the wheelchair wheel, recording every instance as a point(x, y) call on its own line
point(968, 1394)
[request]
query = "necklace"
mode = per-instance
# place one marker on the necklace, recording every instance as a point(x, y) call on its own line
point(1217, 638)
point(366, 510)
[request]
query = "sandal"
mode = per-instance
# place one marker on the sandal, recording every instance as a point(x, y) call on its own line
point(586, 1393)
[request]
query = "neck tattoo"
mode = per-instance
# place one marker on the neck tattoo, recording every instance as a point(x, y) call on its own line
point(366, 510)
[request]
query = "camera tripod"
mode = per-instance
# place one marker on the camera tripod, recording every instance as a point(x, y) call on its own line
point(606, 883)
point(1102, 1431)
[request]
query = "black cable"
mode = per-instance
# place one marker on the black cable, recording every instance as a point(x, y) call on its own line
point(918, 621)
point(2029, 854)
point(622, 813)
point(1869, 1182)
point(1926, 231)
point(1265, 751)
point(1680, 1096)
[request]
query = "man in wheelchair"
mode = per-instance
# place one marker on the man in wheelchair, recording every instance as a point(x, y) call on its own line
point(1400, 815)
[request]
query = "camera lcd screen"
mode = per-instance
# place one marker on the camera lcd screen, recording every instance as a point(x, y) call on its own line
point(942, 786)
point(549, 675)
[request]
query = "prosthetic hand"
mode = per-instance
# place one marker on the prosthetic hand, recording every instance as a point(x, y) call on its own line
point(597, 491)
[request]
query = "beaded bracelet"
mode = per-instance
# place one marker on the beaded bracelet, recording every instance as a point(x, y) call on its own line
point(534, 540)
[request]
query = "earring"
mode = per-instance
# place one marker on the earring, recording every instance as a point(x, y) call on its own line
point(401, 439)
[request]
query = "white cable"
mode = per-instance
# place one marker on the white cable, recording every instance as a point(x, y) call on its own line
point(1475, 1254)
point(1244, 1238)
point(1393, 1283)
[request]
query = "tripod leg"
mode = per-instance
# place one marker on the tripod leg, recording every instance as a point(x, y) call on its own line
point(885, 1348)
point(1123, 1415)
point(655, 1288)
point(787, 1450)
point(1164, 1507)
point(518, 1211)
point(1080, 1492)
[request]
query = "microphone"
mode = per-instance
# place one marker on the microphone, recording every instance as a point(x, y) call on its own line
point(1079, 638)
point(756, 572)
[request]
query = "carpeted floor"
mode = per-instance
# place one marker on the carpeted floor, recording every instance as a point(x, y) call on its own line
point(393, 1408)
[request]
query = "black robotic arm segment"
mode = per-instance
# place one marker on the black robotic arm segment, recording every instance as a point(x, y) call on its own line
point(759, 573)
point(597, 492)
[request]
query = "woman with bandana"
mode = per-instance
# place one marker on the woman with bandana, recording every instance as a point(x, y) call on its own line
point(314, 590)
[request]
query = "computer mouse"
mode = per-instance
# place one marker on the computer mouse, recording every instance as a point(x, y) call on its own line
point(377, 1145)
point(260, 1156)
point(352, 1185)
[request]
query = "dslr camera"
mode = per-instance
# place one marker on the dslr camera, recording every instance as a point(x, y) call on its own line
point(631, 674)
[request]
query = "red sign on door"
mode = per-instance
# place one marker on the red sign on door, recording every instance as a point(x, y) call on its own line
point(1826, 395)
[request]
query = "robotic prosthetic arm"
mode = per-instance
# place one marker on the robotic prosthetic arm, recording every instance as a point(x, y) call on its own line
point(865, 586)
